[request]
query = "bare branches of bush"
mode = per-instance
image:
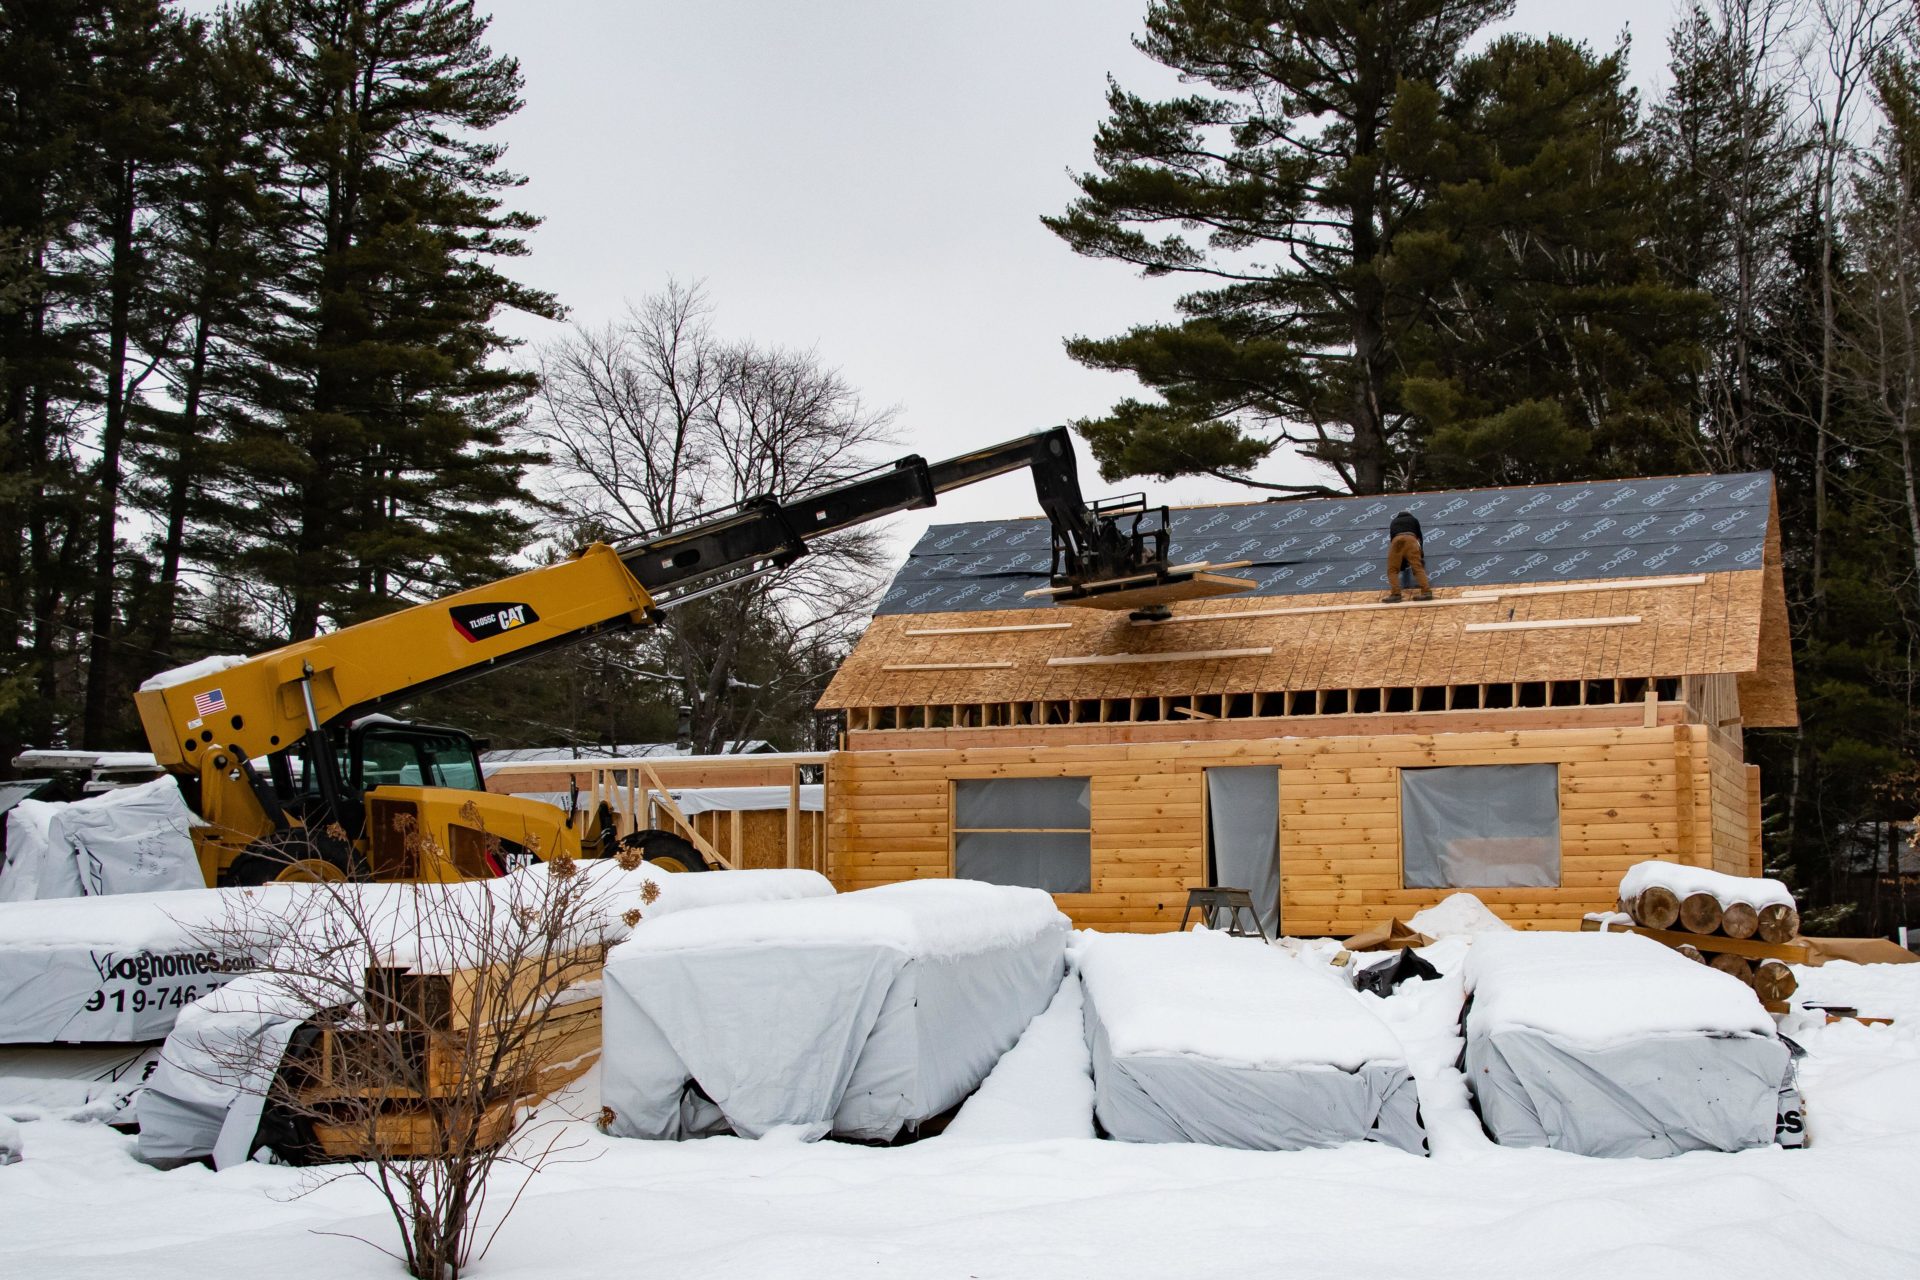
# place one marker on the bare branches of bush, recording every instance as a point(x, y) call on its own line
point(418, 1023)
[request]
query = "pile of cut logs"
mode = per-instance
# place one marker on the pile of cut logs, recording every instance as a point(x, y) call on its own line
point(1704, 915)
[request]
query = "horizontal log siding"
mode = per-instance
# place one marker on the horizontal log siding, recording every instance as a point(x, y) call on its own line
point(1626, 794)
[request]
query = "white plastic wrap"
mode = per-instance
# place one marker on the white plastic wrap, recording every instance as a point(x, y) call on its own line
point(859, 1015)
point(32, 871)
point(132, 840)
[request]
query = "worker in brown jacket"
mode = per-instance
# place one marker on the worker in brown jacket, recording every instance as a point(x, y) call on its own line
point(1405, 552)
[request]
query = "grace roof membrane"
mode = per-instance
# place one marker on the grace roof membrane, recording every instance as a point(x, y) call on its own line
point(1533, 534)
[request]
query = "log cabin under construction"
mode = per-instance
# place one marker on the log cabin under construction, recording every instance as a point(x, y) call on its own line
point(1570, 703)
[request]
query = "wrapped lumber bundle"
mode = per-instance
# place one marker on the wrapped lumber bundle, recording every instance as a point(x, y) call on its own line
point(119, 969)
point(447, 972)
point(1201, 1037)
point(1757, 914)
point(1610, 1044)
point(861, 1015)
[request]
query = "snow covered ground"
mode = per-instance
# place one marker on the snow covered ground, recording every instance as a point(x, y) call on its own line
point(1015, 1188)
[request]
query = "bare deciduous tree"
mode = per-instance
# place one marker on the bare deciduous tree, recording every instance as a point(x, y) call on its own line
point(427, 1017)
point(655, 420)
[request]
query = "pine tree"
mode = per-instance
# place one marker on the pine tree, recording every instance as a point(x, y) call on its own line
point(373, 465)
point(1733, 171)
point(46, 87)
point(127, 144)
point(1552, 347)
point(1277, 186)
point(220, 225)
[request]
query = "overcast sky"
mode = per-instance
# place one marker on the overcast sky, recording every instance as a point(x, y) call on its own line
point(865, 179)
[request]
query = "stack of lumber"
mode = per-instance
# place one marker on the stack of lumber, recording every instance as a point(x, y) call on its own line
point(388, 1087)
point(1746, 926)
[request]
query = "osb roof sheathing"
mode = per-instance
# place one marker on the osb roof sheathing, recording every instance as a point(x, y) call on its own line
point(1732, 622)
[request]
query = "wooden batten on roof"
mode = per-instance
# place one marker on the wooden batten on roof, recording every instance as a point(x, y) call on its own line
point(1688, 623)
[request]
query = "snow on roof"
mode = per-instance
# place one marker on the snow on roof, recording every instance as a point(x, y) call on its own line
point(1230, 1000)
point(1601, 989)
point(927, 918)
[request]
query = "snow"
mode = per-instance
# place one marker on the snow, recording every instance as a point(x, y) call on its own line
point(1599, 989)
point(209, 666)
point(1459, 913)
point(1043, 1087)
point(1015, 1203)
point(1682, 880)
point(1230, 1000)
point(928, 918)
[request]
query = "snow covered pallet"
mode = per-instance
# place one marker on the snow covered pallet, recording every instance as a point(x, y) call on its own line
point(1200, 1037)
point(1610, 1044)
point(861, 1015)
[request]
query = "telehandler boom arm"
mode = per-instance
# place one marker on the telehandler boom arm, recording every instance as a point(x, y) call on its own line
point(216, 717)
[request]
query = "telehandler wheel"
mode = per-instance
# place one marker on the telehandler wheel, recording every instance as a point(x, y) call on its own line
point(291, 857)
point(666, 850)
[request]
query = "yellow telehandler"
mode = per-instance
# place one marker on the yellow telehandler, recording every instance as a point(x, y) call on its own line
point(348, 792)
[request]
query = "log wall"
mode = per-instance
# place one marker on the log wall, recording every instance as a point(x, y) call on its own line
point(1626, 794)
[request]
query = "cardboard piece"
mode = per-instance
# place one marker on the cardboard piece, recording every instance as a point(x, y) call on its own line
point(1391, 935)
point(1858, 950)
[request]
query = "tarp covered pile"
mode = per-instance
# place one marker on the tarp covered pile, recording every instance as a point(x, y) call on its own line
point(860, 1015)
point(132, 840)
point(1201, 1037)
point(119, 969)
point(206, 1095)
point(1611, 1044)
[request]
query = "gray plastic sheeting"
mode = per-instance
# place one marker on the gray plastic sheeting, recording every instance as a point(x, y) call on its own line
point(1243, 812)
point(1480, 826)
point(1655, 1096)
point(206, 1096)
point(1186, 1098)
point(1547, 533)
point(861, 1041)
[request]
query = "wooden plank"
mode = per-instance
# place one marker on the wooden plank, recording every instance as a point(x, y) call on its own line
point(1548, 624)
point(987, 630)
point(1196, 655)
point(1311, 609)
point(1618, 584)
point(947, 666)
point(1713, 943)
point(666, 801)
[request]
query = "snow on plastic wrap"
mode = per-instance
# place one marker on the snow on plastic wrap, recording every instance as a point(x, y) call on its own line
point(1201, 1037)
point(860, 1015)
point(31, 870)
point(1613, 1045)
point(1546, 533)
point(119, 969)
point(130, 840)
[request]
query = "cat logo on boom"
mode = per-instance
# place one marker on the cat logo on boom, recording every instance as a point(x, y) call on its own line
point(485, 621)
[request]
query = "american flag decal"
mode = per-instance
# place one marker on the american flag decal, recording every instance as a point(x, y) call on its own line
point(209, 703)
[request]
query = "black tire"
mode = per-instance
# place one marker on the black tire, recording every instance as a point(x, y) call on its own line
point(675, 853)
point(268, 860)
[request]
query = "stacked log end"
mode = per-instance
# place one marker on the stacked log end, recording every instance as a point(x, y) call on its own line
point(1700, 913)
point(1773, 980)
point(1707, 916)
point(1657, 907)
point(1778, 923)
